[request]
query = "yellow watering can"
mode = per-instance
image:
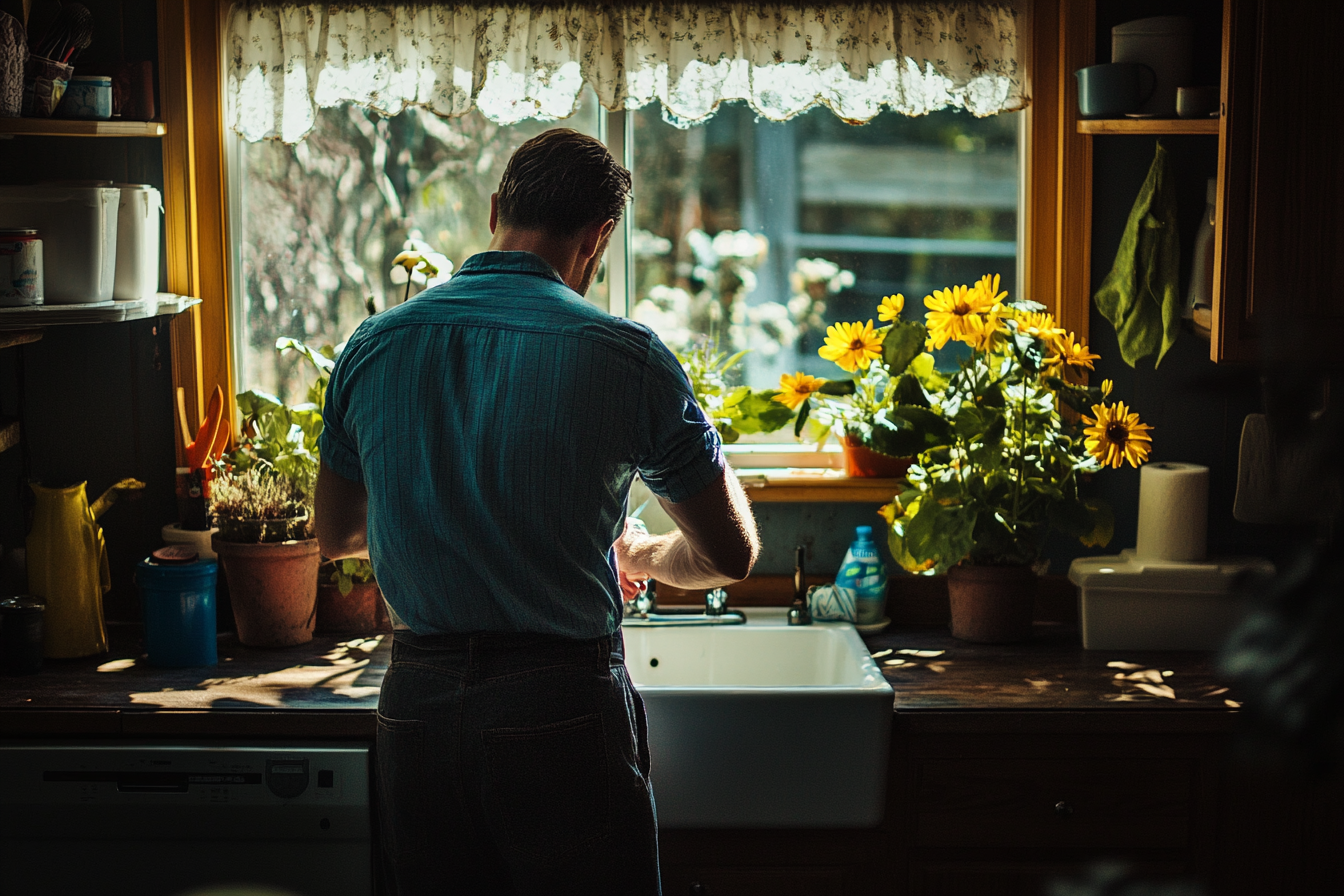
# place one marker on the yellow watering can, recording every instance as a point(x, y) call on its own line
point(67, 566)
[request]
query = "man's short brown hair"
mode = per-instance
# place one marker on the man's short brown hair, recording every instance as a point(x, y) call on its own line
point(561, 181)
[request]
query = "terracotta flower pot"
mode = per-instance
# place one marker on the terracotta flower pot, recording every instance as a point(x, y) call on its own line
point(273, 588)
point(362, 611)
point(991, 604)
point(863, 461)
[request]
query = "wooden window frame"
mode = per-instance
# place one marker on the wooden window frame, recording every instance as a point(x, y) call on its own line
point(1055, 211)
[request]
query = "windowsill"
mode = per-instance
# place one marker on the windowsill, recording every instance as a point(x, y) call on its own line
point(785, 472)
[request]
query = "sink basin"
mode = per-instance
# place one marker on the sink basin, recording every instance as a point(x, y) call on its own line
point(763, 725)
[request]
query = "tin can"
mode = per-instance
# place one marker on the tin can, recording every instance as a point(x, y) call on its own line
point(20, 267)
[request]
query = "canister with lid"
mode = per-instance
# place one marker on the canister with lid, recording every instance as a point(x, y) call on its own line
point(177, 601)
point(20, 266)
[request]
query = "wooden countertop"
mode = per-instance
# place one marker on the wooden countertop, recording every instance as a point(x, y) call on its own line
point(329, 688)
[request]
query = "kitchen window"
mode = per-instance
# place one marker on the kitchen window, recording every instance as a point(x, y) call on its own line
point(746, 230)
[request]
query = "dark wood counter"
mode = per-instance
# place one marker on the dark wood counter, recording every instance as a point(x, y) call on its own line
point(329, 688)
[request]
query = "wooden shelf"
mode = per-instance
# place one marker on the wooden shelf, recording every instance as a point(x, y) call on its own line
point(62, 127)
point(774, 486)
point(9, 433)
point(1149, 126)
point(18, 337)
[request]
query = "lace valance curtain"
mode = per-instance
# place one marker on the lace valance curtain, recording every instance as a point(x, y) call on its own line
point(515, 61)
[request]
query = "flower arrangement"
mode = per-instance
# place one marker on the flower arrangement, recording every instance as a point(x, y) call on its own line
point(999, 464)
point(886, 407)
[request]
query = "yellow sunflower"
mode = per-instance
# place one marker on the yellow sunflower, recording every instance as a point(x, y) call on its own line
point(794, 390)
point(852, 345)
point(986, 331)
point(891, 307)
point(988, 287)
point(1069, 352)
point(954, 313)
point(1040, 324)
point(1115, 435)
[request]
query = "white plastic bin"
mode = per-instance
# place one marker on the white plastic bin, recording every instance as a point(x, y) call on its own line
point(78, 226)
point(1127, 603)
point(137, 242)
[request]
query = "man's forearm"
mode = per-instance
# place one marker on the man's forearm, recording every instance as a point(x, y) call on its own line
point(671, 559)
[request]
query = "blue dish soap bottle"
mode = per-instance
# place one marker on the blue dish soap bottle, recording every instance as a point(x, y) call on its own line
point(864, 572)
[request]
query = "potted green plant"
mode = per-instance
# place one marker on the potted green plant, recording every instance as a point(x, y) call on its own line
point(267, 552)
point(880, 415)
point(348, 597)
point(1000, 462)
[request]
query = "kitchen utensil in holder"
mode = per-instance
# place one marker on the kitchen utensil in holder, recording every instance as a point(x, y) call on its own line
point(44, 83)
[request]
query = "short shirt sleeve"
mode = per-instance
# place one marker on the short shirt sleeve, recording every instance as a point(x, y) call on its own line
point(336, 445)
point(683, 452)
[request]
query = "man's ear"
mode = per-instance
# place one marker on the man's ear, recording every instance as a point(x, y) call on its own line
point(594, 237)
point(494, 211)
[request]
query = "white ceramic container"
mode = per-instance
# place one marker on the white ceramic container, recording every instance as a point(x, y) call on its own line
point(138, 214)
point(763, 725)
point(79, 237)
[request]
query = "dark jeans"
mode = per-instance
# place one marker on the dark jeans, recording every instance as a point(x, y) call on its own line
point(514, 764)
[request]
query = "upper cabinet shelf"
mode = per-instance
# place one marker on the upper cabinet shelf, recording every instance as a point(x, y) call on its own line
point(1150, 126)
point(69, 127)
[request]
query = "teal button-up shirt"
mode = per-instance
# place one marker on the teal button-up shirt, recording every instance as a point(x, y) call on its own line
point(497, 422)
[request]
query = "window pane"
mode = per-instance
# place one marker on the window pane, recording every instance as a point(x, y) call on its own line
point(323, 219)
point(730, 213)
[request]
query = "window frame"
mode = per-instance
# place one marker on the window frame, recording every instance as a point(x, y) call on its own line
point(1054, 210)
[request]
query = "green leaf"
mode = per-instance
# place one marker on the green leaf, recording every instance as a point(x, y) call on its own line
point(254, 403)
point(349, 565)
point(1103, 524)
point(907, 390)
point(804, 410)
point(1072, 517)
point(928, 375)
point(934, 429)
point(941, 534)
point(837, 387)
point(761, 413)
point(317, 358)
point(904, 342)
point(346, 585)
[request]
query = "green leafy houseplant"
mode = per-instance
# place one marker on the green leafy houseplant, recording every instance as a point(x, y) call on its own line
point(998, 464)
point(252, 506)
point(733, 410)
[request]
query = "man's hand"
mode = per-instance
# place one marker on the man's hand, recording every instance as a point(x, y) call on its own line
point(715, 545)
point(632, 586)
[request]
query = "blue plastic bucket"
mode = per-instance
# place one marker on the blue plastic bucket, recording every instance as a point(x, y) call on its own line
point(177, 603)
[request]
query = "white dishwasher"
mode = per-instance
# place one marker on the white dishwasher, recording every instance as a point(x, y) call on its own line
point(82, 817)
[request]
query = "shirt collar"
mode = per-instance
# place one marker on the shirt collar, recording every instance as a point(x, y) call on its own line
point(495, 262)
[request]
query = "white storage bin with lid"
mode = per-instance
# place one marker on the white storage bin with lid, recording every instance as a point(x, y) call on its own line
point(78, 227)
point(138, 215)
point(1128, 603)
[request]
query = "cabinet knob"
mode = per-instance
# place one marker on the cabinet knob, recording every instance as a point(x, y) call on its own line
point(1063, 809)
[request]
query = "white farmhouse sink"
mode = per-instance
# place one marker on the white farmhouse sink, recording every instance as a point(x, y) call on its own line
point(763, 725)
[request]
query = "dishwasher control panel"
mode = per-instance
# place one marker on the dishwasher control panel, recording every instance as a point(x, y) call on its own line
point(163, 817)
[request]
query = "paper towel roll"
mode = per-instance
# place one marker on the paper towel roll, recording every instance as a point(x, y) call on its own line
point(1173, 512)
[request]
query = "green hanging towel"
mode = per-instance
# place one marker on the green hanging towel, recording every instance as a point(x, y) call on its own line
point(1140, 296)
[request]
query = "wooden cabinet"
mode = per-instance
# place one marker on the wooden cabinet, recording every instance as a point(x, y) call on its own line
point(1280, 253)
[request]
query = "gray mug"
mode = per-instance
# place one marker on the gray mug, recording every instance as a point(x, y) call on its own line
point(1112, 89)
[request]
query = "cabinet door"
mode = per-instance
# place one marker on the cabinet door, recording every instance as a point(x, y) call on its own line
point(1280, 254)
point(1047, 803)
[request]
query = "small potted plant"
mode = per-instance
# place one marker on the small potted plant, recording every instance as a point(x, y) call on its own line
point(879, 417)
point(267, 552)
point(1000, 463)
point(349, 600)
point(733, 410)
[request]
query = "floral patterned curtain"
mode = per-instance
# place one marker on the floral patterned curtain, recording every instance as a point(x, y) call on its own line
point(515, 61)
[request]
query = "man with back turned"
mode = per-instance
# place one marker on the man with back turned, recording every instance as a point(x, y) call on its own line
point(479, 447)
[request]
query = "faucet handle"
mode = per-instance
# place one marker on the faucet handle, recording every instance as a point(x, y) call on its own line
point(643, 603)
point(716, 602)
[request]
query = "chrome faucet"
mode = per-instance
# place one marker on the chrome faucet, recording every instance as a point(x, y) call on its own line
point(716, 602)
point(798, 612)
point(644, 603)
